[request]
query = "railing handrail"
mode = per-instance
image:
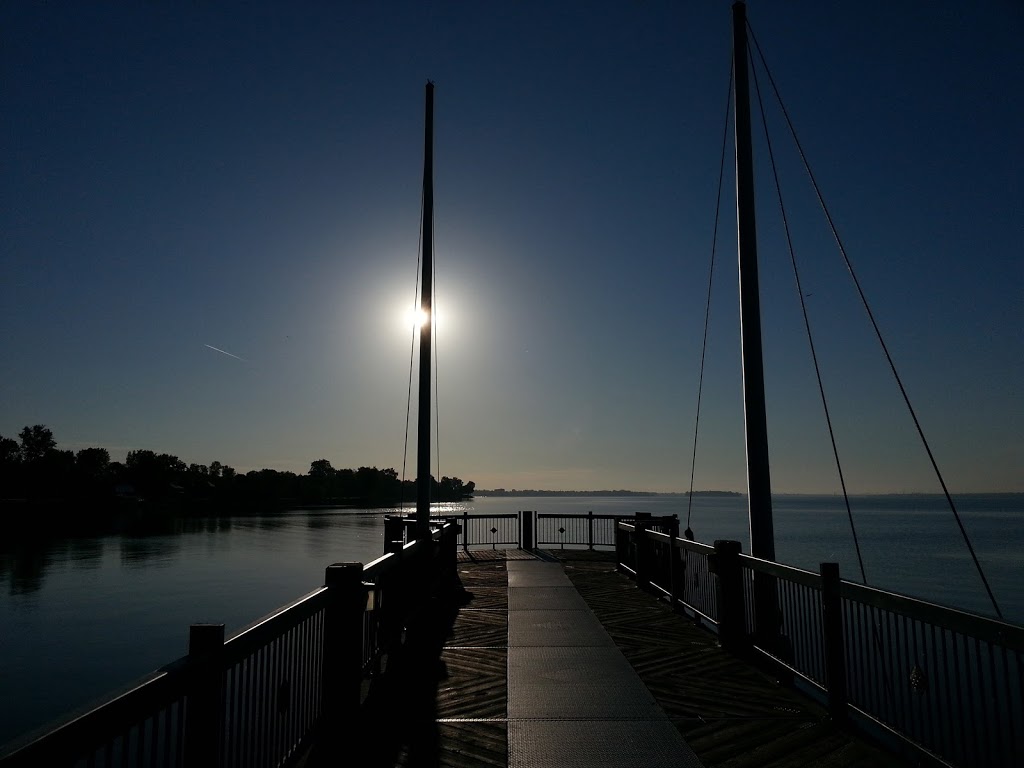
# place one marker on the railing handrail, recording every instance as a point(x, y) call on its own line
point(692, 546)
point(257, 633)
point(91, 725)
point(585, 515)
point(837, 637)
point(165, 682)
point(462, 515)
point(782, 571)
point(965, 622)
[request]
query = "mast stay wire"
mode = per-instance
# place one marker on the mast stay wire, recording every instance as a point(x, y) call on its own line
point(876, 634)
point(874, 325)
point(707, 307)
point(433, 344)
point(412, 354)
point(807, 326)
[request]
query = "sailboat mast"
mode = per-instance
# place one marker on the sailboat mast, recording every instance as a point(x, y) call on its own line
point(426, 296)
point(759, 491)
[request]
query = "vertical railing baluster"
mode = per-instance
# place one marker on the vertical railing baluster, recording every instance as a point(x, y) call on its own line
point(295, 691)
point(936, 716)
point(889, 661)
point(998, 705)
point(1017, 734)
point(230, 715)
point(961, 684)
point(913, 660)
point(248, 728)
point(949, 721)
point(303, 696)
point(904, 676)
point(264, 700)
point(140, 744)
point(878, 670)
point(981, 723)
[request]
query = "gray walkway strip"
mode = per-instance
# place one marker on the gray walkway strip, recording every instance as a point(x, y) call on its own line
point(573, 699)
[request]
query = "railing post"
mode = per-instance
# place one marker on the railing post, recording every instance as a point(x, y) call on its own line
point(835, 647)
point(203, 711)
point(643, 552)
point(465, 531)
point(724, 562)
point(394, 533)
point(620, 547)
point(343, 642)
point(450, 540)
point(673, 565)
point(590, 530)
point(526, 516)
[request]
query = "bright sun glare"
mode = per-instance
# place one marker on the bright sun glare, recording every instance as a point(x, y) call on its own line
point(416, 318)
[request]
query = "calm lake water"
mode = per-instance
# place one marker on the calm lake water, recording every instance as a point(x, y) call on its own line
point(79, 617)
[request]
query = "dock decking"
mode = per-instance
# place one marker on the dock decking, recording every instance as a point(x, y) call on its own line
point(487, 680)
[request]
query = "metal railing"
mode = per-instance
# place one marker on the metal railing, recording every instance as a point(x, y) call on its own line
point(492, 531)
point(947, 683)
point(528, 529)
point(257, 698)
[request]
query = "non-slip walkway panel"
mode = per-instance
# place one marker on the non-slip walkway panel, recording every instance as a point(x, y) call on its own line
point(585, 683)
point(556, 628)
point(598, 744)
point(546, 598)
point(573, 699)
point(534, 573)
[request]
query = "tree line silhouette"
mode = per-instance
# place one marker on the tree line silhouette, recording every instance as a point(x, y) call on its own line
point(33, 470)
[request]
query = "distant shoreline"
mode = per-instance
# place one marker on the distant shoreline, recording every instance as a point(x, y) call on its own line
point(731, 494)
point(515, 492)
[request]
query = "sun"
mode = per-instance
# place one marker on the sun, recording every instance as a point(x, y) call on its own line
point(417, 318)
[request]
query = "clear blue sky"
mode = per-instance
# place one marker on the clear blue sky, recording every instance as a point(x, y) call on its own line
point(247, 176)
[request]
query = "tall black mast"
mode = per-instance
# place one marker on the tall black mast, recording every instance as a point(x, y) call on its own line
point(759, 490)
point(759, 486)
point(426, 295)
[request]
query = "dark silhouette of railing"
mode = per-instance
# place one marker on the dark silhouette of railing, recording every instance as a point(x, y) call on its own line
point(530, 529)
point(947, 683)
point(258, 697)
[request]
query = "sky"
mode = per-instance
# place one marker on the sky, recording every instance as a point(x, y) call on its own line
point(210, 225)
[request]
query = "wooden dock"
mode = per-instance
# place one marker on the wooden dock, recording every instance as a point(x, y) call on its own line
point(443, 699)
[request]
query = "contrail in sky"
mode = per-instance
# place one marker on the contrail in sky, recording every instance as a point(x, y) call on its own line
point(226, 353)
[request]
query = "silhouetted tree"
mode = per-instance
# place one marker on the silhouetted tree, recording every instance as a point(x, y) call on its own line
point(321, 468)
point(92, 472)
point(10, 454)
point(36, 470)
point(154, 474)
point(36, 442)
point(92, 463)
point(10, 468)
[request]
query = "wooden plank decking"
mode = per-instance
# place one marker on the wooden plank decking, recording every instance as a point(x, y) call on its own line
point(443, 700)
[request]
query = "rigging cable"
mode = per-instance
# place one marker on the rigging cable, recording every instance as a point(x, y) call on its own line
point(878, 332)
point(807, 326)
point(433, 345)
point(412, 354)
point(707, 308)
point(876, 634)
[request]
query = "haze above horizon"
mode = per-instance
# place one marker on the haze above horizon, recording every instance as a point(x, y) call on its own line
point(211, 225)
